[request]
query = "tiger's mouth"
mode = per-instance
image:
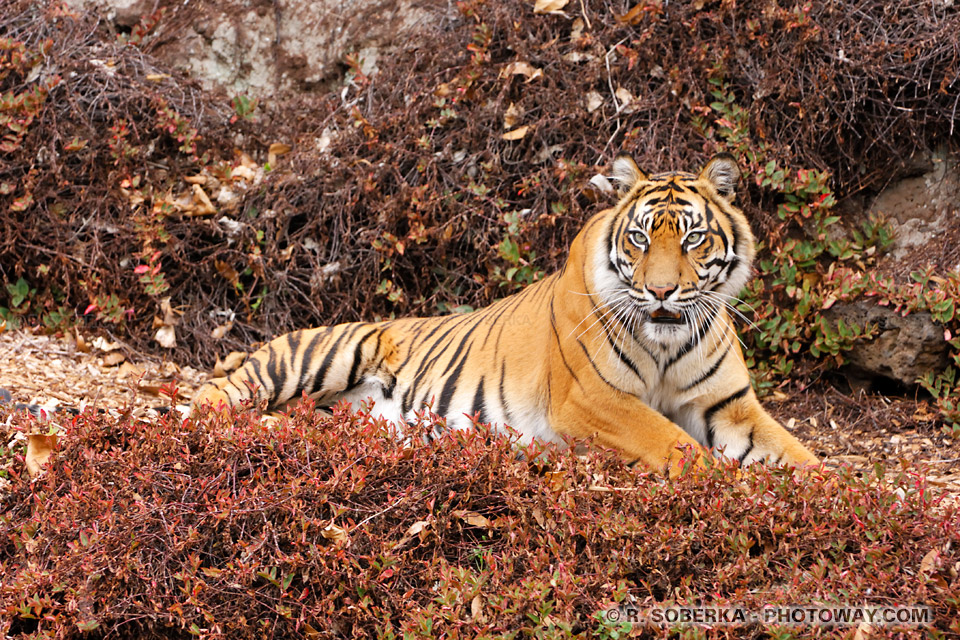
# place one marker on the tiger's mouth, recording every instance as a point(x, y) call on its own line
point(662, 316)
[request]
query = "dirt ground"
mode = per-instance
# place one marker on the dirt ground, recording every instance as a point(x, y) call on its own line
point(854, 429)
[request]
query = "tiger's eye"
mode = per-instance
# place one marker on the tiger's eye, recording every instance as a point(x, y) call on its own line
point(693, 239)
point(639, 239)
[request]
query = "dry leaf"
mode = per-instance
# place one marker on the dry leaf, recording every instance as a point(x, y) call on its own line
point(521, 68)
point(578, 56)
point(169, 315)
point(222, 330)
point(538, 516)
point(39, 448)
point(511, 117)
point(198, 179)
point(245, 160)
point(113, 358)
point(476, 607)
point(864, 631)
point(517, 133)
point(336, 534)
point(242, 173)
point(81, 342)
point(279, 148)
point(201, 198)
point(577, 29)
point(102, 344)
point(930, 561)
point(473, 519)
point(229, 273)
point(549, 6)
point(417, 527)
point(166, 336)
point(594, 101)
point(626, 100)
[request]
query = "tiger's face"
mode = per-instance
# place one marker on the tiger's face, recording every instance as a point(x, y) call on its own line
point(678, 247)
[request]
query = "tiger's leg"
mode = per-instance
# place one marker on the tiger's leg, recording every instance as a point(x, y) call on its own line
point(742, 429)
point(322, 362)
point(624, 423)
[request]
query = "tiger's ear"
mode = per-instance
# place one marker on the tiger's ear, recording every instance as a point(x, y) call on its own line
point(723, 173)
point(626, 173)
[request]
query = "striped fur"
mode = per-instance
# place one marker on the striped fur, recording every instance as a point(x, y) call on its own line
point(631, 343)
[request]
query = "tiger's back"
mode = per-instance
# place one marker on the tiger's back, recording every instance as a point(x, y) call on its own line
point(630, 343)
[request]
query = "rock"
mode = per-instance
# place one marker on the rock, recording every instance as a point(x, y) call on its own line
point(261, 48)
point(922, 207)
point(905, 348)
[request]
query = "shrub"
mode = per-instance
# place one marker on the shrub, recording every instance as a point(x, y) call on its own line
point(326, 527)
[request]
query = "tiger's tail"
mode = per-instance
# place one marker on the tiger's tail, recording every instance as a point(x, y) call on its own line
point(323, 363)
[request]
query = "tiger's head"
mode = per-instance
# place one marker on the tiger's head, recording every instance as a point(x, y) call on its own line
point(679, 249)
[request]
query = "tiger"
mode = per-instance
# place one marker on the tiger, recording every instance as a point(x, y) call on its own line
point(631, 344)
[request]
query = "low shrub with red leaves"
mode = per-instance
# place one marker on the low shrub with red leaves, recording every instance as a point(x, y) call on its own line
point(329, 527)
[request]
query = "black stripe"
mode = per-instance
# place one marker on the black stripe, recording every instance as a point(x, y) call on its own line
point(426, 365)
point(608, 247)
point(709, 413)
point(321, 374)
point(479, 405)
point(746, 451)
point(306, 357)
point(390, 386)
point(446, 394)
point(507, 420)
point(709, 372)
point(618, 349)
point(563, 358)
point(357, 357)
point(600, 375)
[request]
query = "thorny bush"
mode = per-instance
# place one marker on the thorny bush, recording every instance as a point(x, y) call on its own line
point(328, 527)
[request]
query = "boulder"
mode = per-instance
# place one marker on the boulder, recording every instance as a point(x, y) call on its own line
point(261, 48)
point(905, 348)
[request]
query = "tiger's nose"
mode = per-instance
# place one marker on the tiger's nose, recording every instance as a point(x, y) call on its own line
point(661, 292)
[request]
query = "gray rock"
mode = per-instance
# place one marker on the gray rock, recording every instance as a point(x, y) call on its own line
point(905, 348)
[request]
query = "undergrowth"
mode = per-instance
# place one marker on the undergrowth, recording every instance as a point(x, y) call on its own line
point(327, 527)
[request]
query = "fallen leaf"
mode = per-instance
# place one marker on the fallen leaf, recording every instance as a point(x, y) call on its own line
point(279, 148)
point(517, 133)
point(39, 449)
point(221, 330)
point(521, 68)
point(102, 344)
point(473, 519)
point(166, 336)
point(113, 358)
point(626, 100)
point(549, 6)
point(594, 101)
point(476, 607)
point(417, 527)
point(201, 198)
point(511, 117)
point(228, 272)
point(864, 631)
point(577, 29)
point(334, 533)
point(197, 179)
point(930, 561)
